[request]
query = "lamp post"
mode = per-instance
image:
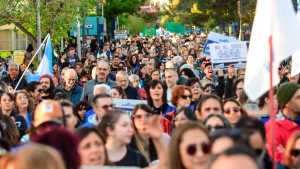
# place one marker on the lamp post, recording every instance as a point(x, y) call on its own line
point(38, 27)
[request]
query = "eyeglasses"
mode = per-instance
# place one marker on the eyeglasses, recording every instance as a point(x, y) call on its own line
point(107, 106)
point(295, 152)
point(140, 116)
point(233, 109)
point(186, 97)
point(193, 148)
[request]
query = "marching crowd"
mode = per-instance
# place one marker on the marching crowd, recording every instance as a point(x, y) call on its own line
point(191, 115)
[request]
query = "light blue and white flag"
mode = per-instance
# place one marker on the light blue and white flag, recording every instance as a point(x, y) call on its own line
point(45, 66)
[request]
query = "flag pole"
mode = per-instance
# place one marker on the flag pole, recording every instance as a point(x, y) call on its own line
point(272, 109)
point(33, 57)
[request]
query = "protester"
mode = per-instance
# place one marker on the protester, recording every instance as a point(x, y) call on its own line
point(171, 78)
point(292, 152)
point(71, 116)
point(122, 80)
point(183, 116)
point(47, 86)
point(13, 77)
point(71, 87)
point(233, 111)
point(208, 104)
point(234, 158)
point(189, 147)
point(254, 135)
point(33, 156)
point(118, 93)
point(117, 130)
point(92, 147)
point(64, 141)
point(101, 104)
point(286, 124)
point(181, 96)
point(147, 133)
point(24, 106)
point(102, 71)
point(214, 122)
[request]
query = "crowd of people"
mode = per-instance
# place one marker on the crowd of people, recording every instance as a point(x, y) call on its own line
point(192, 117)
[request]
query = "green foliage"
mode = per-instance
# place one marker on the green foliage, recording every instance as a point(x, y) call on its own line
point(57, 16)
point(133, 23)
point(118, 7)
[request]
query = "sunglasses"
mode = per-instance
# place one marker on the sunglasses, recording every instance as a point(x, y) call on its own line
point(140, 116)
point(258, 151)
point(234, 109)
point(186, 97)
point(107, 106)
point(295, 152)
point(193, 148)
point(213, 128)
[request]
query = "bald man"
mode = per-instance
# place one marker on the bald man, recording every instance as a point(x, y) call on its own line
point(71, 87)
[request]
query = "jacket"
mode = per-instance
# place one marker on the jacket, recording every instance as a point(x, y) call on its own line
point(13, 83)
point(74, 95)
point(283, 128)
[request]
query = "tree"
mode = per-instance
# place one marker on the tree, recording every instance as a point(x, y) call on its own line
point(57, 16)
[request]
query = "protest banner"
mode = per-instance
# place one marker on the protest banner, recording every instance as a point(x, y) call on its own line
point(216, 38)
point(127, 105)
point(224, 54)
point(121, 34)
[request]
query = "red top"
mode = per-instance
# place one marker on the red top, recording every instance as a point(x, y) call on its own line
point(283, 128)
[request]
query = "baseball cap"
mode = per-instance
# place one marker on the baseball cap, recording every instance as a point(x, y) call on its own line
point(48, 111)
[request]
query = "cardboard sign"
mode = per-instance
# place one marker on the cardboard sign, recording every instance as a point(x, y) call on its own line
point(223, 54)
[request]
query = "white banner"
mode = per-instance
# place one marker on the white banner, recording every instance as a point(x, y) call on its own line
point(127, 105)
point(216, 38)
point(228, 52)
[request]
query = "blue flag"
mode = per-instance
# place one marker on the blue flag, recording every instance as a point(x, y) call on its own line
point(45, 67)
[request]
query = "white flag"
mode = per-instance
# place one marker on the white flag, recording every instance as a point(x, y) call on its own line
point(276, 19)
point(296, 57)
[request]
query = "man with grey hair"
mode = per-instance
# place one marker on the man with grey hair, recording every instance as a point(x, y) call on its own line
point(14, 76)
point(123, 81)
point(171, 78)
point(102, 89)
point(102, 72)
point(71, 87)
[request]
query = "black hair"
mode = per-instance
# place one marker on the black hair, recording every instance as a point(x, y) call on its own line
point(249, 125)
point(204, 98)
point(152, 84)
point(144, 107)
point(221, 117)
point(67, 103)
point(85, 131)
point(32, 86)
point(188, 113)
point(192, 81)
point(100, 96)
point(188, 72)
